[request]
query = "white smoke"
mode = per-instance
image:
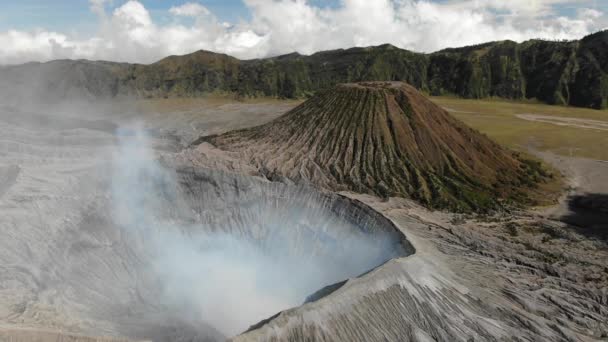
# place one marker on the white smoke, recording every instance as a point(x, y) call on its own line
point(219, 276)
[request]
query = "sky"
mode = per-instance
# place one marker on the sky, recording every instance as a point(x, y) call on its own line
point(144, 31)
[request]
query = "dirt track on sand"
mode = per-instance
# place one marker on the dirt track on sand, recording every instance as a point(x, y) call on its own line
point(565, 121)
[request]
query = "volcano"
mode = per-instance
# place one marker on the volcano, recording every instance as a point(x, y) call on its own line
point(388, 139)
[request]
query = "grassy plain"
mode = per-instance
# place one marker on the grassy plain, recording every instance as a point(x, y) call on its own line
point(499, 120)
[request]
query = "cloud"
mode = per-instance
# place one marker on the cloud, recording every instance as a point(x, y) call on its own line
point(130, 34)
point(190, 9)
point(98, 6)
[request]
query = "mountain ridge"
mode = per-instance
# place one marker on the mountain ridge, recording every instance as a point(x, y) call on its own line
point(555, 72)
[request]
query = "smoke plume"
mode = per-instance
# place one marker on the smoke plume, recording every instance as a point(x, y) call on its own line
point(226, 276)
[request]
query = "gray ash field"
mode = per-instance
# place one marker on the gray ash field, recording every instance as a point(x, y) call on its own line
point(115, 227)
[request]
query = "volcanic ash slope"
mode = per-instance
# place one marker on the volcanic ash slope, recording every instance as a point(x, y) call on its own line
point(385, 138)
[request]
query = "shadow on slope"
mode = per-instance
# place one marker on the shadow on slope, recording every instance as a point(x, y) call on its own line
point(589, 212)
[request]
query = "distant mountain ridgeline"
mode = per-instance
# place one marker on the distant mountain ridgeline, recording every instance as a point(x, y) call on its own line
point(573, 73)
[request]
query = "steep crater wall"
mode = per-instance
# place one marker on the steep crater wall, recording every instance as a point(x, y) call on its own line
point(233, 250)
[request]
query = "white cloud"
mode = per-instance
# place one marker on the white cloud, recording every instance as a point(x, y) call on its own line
point(190, 9)
point(98, 6)
point(129, 33)
point(589, 13)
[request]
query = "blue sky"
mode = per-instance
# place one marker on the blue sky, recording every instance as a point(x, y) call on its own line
point(75, 15)
point(144, 31)
point(66, 15)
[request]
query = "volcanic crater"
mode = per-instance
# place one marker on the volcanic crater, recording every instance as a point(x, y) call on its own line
point(247, 248)
point(147, 248)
